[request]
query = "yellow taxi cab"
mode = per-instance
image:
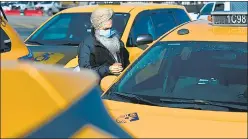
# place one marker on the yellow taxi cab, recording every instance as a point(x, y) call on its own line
point(53, 102)
point(190, 83)
point(56, 41)
point(12, 46)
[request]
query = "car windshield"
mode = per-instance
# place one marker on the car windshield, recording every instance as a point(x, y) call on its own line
point(72, 28)
point(173, 72)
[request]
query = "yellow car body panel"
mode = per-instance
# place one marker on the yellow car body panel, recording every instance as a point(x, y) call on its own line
point(162, 122)
point(165, 122)
point(18, 48)
point(132, 10)
point(73, 63)
point(45, 93)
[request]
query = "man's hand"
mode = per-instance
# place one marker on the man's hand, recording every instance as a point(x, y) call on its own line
point(116, 68)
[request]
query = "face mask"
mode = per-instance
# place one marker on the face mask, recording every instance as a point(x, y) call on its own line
point(106, 33)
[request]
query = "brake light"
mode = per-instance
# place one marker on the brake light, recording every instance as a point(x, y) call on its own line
point(29, 56)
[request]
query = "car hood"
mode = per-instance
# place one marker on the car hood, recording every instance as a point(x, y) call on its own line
point(160, 122)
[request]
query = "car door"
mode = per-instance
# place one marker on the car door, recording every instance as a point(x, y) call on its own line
point(141, 25)
point(59, 38)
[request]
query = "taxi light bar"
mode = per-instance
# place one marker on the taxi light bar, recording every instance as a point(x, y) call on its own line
point(229, 18)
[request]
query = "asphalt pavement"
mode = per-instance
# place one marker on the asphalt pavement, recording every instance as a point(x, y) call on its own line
point(25, 25)
point(24, 32)
point(26, 21)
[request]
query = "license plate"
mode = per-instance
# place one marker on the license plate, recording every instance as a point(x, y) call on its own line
point(230, 19)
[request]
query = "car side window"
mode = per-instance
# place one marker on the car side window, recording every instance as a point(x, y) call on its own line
point(219, 7)
point(163, 21)
point(207, 9)
point(142, 25)
point(5, 41)
point(58, 30)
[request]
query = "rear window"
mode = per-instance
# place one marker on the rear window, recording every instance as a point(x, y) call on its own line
point(166, 19)
point(180, 16)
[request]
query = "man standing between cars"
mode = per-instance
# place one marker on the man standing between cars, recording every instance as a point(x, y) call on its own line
point(103, 51)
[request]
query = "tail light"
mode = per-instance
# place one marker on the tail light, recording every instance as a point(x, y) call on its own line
point(29, 56)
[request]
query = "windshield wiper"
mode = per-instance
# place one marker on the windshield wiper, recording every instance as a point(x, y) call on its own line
point(204, 102)
point(35, 42)
point(134, 98)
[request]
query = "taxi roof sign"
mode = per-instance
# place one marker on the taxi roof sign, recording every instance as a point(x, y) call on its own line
point(229, 18)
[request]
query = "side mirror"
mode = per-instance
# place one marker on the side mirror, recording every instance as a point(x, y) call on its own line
point(6, 46)
point(107, 81)
point(144, 39)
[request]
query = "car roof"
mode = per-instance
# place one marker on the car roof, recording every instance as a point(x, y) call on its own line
point(203, 30)
point(126, 8)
